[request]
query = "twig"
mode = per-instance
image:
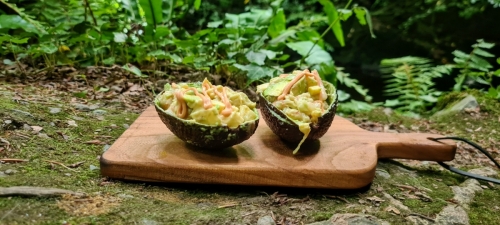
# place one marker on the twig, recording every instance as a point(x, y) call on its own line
point(6, 214)
point(228, 205)
point(60, 164)
point(411, 188)
point(90, 11)
point(337, 197)
point(248, 214)
point(420, 215)
point(34, 191)
point(14, 160)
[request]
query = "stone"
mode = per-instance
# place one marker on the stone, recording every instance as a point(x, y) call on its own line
point(92, 167)
point(23, 113)
point(99, 112)
point(125, 196)
point(85, 108)
point(77, 118)
point(43, 135)
point(27, 127)
point(469, 102)
point(484, 171)
point(105, 147)
point(145, 221)
point(452, 214)
point(464, 194)
point(10, 171)
point(126, 126)
point(266, 220)
point(54, 110)
point(352, 219)
point(417, 220)
point(383, 174)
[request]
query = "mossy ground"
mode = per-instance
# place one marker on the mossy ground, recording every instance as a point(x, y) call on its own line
point(120, 202)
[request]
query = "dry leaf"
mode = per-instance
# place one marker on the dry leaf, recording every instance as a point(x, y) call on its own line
point(375, 199)
point(94, 142)
point(72, 123)
point(36, 129)
point(392, 209)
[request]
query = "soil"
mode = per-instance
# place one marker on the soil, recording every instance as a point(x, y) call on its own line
point(54, 127)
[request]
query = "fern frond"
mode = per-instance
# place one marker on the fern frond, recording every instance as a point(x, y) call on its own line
point(410, 80)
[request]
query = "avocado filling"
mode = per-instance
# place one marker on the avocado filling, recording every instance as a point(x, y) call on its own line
point(207, 104)
point(300, 95)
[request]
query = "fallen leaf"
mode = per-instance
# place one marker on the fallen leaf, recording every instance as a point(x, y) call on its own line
point(375, 199)
point(392, 209)
point(75, 165)
point(65, 137)
point(36, 129)
point(94, 142)
point(72, 123)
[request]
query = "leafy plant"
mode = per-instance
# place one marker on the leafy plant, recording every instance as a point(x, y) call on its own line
point(410, 80)
point(475, 66)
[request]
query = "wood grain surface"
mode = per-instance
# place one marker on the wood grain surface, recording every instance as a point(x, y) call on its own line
point(344, 158)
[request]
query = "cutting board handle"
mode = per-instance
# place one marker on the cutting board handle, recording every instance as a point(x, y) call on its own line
point(415, 146)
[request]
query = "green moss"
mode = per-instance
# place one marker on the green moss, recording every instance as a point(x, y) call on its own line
point(199, 204)
point(485, 209)
point(319, 216)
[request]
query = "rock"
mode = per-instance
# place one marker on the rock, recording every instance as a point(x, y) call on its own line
point(77, 118)
point(326, 222)
point(352, 219)
point(10, 171)
point(452, 214)
point(417, 220)
point(404, 172)
point(27, 127)
point(266, 220)
point(484, 171)
point(99, 112)
point(105, 147)
point(464, 194)
point(145, 221)
point(43, 135)
point(126, 126)
point(54, 110)
point(383, 174)
point(469, 102)
point(125, 196)
point(396, 202)
point(85, 108)
point(92, 167)
point(23, 112)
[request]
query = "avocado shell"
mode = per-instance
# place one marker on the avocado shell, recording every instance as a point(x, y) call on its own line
point(287, 129)
point(206, 136)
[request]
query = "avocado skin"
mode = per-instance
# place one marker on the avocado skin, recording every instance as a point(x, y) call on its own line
point(287, 130)
point(204, 136)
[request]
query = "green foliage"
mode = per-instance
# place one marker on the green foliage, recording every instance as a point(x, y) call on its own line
point(410, 80)
point(475, 66)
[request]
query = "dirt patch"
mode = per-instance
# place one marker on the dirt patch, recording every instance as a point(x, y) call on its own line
point(87, 205)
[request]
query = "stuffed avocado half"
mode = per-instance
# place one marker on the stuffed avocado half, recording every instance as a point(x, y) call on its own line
point(205, 115)
point(298, 106)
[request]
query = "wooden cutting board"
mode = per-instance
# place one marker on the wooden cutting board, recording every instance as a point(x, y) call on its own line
point(344, 158)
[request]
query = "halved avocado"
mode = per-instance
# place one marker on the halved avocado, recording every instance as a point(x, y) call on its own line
point(288, 129)
point(203, 135)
